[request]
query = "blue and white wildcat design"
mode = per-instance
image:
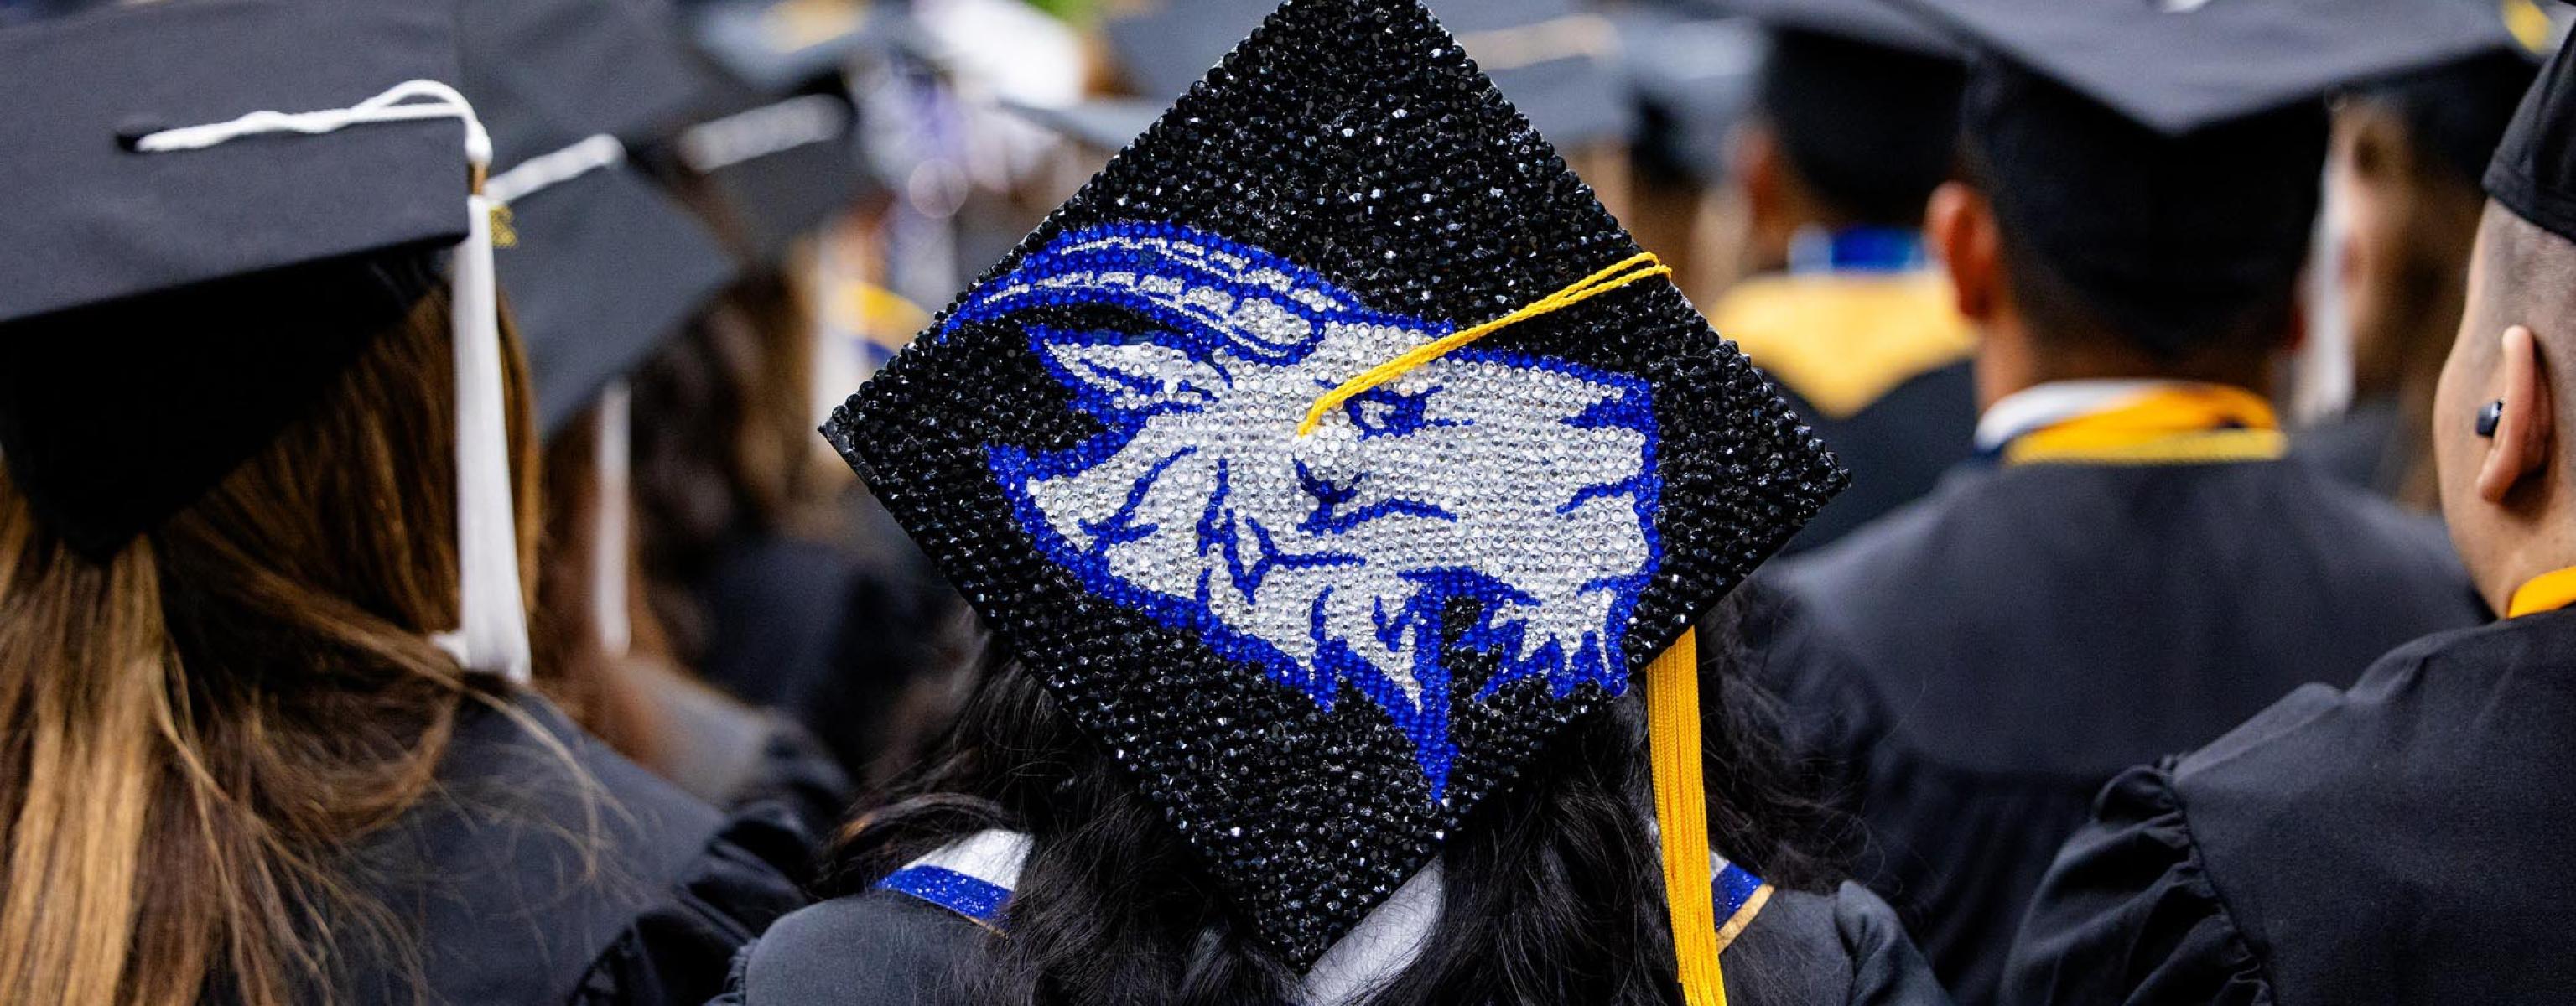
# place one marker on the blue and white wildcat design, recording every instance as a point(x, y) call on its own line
point(1523, 486)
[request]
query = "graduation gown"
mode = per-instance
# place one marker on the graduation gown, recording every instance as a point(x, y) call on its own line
point(1877, 361)
point(531, 878)
point(2410, 840)
point(1793, 947)
point(1974, 668)
point(734, 756)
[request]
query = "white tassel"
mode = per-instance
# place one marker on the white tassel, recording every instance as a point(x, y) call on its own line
point(745, 136)
point(608, 592)
point(493, 636)
point(544, 171)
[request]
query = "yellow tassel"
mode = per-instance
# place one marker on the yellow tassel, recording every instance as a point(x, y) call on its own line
point(1628, 270)
point(1681, 814)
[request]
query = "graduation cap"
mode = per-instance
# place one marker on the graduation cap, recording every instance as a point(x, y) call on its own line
point(783, 164)
point(2162, 159)
point(1328, 453)
point(2178, 65)
point(1555, 62)
point(601, 266)
point(232, 195)
point(1106, 125)
point(1694, 79)
point(2534, 170)
point(1876, 22)
point(778, 46)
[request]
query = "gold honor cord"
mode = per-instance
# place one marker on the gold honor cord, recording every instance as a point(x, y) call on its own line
point(1641, 266)
point(1681, 817)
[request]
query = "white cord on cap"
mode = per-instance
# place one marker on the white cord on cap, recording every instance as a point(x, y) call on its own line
point(545, 171)
point(744, 136)
point(608, 593)
point(493, 636)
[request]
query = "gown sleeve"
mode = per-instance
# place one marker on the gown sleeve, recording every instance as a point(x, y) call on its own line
point(1886, 968)
point(680, 950)
point(2129, 915)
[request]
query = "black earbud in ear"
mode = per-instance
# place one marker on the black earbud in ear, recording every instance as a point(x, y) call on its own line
point(2489, 415)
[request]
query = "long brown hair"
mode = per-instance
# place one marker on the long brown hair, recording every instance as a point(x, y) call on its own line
point(192, 730)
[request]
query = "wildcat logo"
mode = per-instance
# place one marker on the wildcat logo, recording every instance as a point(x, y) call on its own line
point(1524, 487)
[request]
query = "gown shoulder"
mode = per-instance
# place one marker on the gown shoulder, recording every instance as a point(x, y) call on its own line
point(881, 948)
point(548, 870)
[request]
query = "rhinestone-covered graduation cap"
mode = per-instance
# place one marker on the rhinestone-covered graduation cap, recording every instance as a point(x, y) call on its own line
point(1206, 454)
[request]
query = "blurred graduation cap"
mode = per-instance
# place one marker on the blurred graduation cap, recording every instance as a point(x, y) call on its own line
point(779, 46)
point(2178, 65)
point(1105, 125)
point(1694, 78)
point(1556, 62)
point(776, 129)
point(233, 196)
point(186, 306)
point(1875, 22)
point(604, 266)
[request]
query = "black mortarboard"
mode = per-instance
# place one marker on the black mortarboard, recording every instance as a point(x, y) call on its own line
point(2534, 171)
point(1107, 125)
point(1554, 62)
point(604, 266)
point(2160, 161)
point(1318, 645)
point(2458, 111)
point(1876, 22)
point(2177, 65)
point(778, 46)
point(1694, 79)
point(784, 164)
point(169, 313)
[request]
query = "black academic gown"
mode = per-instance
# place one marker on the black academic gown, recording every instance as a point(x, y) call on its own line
point(1803, 949)
point(546, 870)
point(1975, 667)
point(735, 757)
point(2411, 840)
point(1877, 362)
point(2359, 447)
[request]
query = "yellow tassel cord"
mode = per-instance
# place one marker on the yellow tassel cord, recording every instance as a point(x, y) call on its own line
point(1681, 804)
point(1681, 815)
point(1630, 270)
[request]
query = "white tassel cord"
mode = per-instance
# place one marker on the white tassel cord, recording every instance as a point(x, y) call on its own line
point(493, 634)
point(722, 143)
point(608, 553)
point(545, 171)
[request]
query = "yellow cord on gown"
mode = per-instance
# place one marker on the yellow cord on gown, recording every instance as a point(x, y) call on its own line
point(1681, 815)
point(1629, 270)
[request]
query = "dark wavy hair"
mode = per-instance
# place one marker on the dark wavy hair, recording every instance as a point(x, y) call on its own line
point(1553, 892)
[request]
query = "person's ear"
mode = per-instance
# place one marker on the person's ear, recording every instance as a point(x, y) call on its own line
point(1961, 226)
point(1755, 157)
point(2521, 448)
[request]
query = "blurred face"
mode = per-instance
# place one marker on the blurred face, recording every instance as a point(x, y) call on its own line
point(2404, 232)
point(2458, 452)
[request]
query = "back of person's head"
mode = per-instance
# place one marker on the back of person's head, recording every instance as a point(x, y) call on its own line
point(1553, 893)
point(193, 725)
point(1869, 130)
point(2171, 246)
